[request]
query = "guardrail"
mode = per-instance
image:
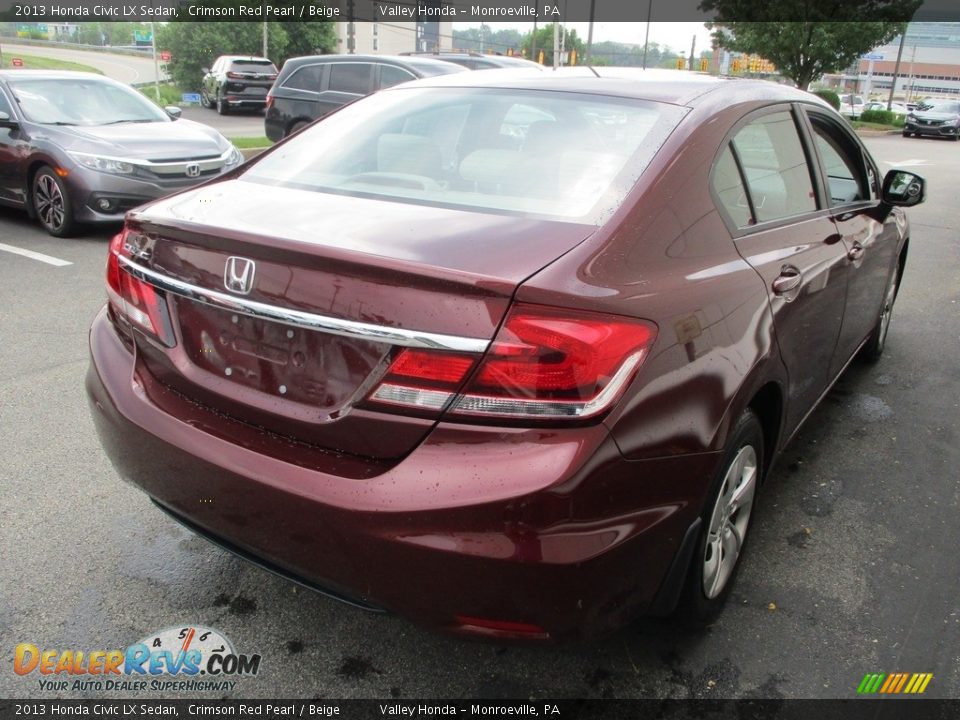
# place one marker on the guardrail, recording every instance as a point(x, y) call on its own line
point(115, 50)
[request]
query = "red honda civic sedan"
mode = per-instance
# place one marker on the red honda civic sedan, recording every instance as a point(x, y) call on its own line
point(508, 354)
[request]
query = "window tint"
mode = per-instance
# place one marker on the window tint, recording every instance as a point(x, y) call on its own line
point(775, 167)
point(846, 178)
point(253, 66)
point(728, 186)
point(391, 75)
point(309, 77)
point(350, 78)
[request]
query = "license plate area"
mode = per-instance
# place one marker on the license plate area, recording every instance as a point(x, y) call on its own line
point(294, 364)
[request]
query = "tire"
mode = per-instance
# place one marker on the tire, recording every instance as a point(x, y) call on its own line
point(873, 350)
point(906, 134)
point(725, 524)
point(205, 99)
point(222, 107)
point(297, 127)
point(52, 204)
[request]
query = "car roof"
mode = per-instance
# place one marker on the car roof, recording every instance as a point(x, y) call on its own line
point(52, 75)
point(398, 59)
point(676, 87)
point(255, 58)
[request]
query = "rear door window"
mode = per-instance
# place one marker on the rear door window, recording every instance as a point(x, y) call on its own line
point(845, 172)
point(350, 77)
point(729, 190)
point(775, 167)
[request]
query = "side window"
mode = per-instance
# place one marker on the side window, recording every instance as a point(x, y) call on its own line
point(391, 75)
point(728, 186)
point(350, 77)
point(309, 77)
point(846, 175)
point(775, 167)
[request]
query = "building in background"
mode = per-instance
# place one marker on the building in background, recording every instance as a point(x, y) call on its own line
point(929, 67)
point(393, 38)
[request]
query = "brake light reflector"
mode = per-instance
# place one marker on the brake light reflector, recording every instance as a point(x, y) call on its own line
point(138, 302)
point(545, 363)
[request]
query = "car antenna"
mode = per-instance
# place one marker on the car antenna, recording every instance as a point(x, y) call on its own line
point(590, 68)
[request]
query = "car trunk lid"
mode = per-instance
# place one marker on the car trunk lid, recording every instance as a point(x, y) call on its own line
point(322, 292)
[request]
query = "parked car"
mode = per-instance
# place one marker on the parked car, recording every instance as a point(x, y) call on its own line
point(480, 61)
point(237, 83)
point(939, 118)
point(498, 351)
point(851, 105)
point(898, 109)
point(79, 148)
point(311, 87)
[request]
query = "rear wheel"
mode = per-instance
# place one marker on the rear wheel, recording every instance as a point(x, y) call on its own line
point(873, 350)
point(906, 134)
point(51, 203)
point(726, 522)
point(297, 127)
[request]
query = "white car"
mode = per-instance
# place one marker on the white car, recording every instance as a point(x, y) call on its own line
point(898, 109)
point(851, 105)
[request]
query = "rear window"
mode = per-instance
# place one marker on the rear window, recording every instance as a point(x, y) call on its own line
point(350, 77)
point(431, 69)
point(557, 155)
point(252, 66)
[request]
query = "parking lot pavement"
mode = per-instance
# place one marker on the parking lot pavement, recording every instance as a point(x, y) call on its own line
point(243, 123)
point(852, 567)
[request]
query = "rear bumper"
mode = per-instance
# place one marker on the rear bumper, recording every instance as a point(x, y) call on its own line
point(553, 529)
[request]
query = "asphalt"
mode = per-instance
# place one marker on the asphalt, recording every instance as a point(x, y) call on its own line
point(852, 566)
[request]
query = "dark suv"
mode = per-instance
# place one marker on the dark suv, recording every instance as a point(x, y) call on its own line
point(237, 82)
point(479, 61)
point(310, 87)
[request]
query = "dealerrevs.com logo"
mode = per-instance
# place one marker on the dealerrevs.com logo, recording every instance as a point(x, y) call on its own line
point(187, 659)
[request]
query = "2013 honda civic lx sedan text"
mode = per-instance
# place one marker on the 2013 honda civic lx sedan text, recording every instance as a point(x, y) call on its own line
point(508, 354)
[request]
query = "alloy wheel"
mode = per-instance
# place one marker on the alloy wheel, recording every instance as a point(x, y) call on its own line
point(887, 312)
point(49, 202)
point(729, 521)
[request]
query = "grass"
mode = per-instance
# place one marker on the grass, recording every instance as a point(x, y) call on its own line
point(169, 94)
point(250, 143)
point(860, 125)
point(33, 62)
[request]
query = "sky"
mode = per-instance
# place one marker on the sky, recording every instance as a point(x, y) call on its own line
point(676, 35)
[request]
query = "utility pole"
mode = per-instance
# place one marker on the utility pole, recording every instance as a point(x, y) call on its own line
point(156, 65)
point(533, 43)
point(896, 68)
point(556, 45)
point(265, 29)
point(646, 39)
point(693, 47)
point(588, 58)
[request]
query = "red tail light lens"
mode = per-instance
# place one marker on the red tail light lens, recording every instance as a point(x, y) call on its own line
point(269, 101)
point(234, 75)
point(544, 363)
point(138, 302)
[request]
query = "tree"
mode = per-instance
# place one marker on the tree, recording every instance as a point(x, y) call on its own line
point(195, 45)
point(807, 38)
point(545, 43)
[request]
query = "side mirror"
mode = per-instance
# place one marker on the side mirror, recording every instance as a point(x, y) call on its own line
point(173, 111)
point(7, 121)
point(205, 71)
point(903, 189)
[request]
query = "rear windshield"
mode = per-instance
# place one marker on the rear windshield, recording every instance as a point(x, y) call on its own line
point(253, 66)
point(537, 153)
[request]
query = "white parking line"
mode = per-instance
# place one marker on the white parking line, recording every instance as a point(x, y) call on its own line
point(49, 259)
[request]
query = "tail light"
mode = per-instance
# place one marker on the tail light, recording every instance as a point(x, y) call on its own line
point(235, 76)
point(269, 101)
point(544, 363)
point(141, 304)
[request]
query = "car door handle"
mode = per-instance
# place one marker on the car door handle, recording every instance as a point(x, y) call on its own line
point(788, 279)
point(856, 252)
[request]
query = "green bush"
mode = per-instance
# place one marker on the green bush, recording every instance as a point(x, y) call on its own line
point(830, 96)
point(882, 117)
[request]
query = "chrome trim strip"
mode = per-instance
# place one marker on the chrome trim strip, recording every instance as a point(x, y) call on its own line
point(310, 321)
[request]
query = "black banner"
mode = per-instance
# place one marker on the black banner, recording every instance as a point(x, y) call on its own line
point(70, 11)
point(853, 709)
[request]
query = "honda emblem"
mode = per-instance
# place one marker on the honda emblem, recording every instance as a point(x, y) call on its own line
point(193, 170)
point(238, 275)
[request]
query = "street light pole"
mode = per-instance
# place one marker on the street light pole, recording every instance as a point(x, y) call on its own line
point(646, 38)
point(896, 68)
point(156, 65)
